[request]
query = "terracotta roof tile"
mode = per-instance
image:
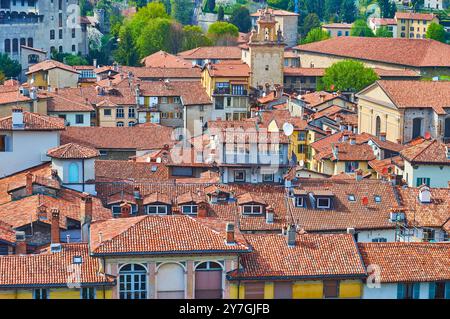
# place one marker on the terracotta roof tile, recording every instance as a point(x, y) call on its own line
point(51, 268)
point(36, 179)
point(48, 65)
point(72, 150)
point(275, 12)
point(386, 166)
point(408, 262)
point(212, 53)
point(131, 171)
point(162, 59)
point(7, 234)
point(159, 73)
point(13, 95)
point(159, 235)
point(411, 52)
point(428, 152)
point(415, 16)
point(313, 256)
point(238, 69)
point(34, 122)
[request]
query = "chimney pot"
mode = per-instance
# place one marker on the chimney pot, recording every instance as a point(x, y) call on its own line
point(29, 184)
point(269, 215)
point(17, 117)
point(202, 210)
point(230, 233)
point(291, 235)
point(55, 239)
point(125, 210)
point(85, 215)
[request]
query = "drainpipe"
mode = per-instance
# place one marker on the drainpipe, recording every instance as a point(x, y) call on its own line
point(82, 168)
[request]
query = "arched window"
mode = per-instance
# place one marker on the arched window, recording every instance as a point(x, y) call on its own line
point(33, 58)
point(30, 42)
point(417, 127)
point(170, 281)
point(377, 126)
point(131, 123)
point(15, 46)
point(7, 45)
point(133, 282)
point(119, 124)
point(208, 280)
point(73, 173)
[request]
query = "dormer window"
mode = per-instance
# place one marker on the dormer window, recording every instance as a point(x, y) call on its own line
point(425, 194)
point(351, 198)
point(299, 201)
point(189, 209)
point(156, 209)
point(377, 198)
point(323, 202)
point(251, 209)
point(117, 211)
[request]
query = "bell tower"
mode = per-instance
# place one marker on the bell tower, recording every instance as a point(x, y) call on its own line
point(266, 49)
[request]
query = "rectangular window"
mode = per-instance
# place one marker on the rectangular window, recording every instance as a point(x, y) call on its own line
point(299, 201)
point(176, 99)
point(52, 34)
point(268, 178)
point(60, 33)
point(301, 148)
point(157, 209)
point(252, 209)
point(323, 203)
point(73, 33)
point(379, 240)
point(302, 136)
point(79, 119)
point(190, 209)
point(2, 143)
point(330, 289)
point(439, 290)
point(120, 113)
point(107, 112)
point(350, 167)
point(88, 293)
point(131, 112)
point(239, 176)
point(164, 100)
point(254, 290)
point(40, 294)
point(423, 180)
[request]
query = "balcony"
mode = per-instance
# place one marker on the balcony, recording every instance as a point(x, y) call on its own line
point(228, 91)
point(22, 20)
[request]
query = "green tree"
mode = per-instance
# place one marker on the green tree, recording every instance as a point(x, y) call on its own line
point(310, 22)
point(138, 22)
point(2, 78)
point(416, 4)
point(220, 14)
point(436, 32)
point(240, 17)
point(348, 76)
point(332, 9)
point(85, 7)
point(126, 53)
point(361, 29)
point(10, 68)
point(223, 33)
point(316, 34)
point(280, 4)
point(72, 59)
point(348, 11)
point(383, 32)
point(181, 10)
point(154, 37)
point(193, 37)
point(211, 4)
point(387, 8)
point(102, 52)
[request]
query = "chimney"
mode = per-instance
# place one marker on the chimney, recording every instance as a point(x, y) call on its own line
point(94, 62)
point(291, 234)
point(269, 215)
point(352, 140)
point(358, 174)
point(230, 233)
point(21, 244)
point(139, 201)
point(125, 210)
point(202, 210)
point(328, 131)
point(54, 174)
point(17, 118)
point(383, 136)
point(55, 226)
point(85, 216)
point(29, 184)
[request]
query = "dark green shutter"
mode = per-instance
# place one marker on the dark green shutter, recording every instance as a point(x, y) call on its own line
point(416, 290)
point(400, 291)
point(447, 290)
point(432, 290)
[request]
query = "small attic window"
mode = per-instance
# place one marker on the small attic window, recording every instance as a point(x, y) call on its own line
point(377, 198)
point(77, 260)
point(351, 198)
point(154, 168)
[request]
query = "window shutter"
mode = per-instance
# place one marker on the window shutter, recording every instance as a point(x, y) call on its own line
point(400, 291)
point(8, 143)
point(447, 290)
point(432, 290)
point(416, 290)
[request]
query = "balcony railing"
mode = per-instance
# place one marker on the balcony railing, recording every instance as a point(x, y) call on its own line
point(228, 91)
point(26, 20)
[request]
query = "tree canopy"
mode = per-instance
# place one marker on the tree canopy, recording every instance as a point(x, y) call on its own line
point(193, 38)
point(310, 22)
point(222, 33)
point(10, 68)
point(316, 34)
point(383, 32)
point(436, 32)
point(388, 8)
point(361, 29)
point(181, 10)
point(348, 76)
point(240, 17)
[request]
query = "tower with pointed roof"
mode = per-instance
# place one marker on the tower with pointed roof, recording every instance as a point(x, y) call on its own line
point(266, 52)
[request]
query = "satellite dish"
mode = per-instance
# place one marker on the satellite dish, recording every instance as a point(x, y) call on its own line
point(427, 135)
point(288, 129)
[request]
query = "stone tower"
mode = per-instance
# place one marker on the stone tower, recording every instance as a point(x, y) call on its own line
point(266, 52)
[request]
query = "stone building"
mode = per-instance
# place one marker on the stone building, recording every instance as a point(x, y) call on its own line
point(44, 25)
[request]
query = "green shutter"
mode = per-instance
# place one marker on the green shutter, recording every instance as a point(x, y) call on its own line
point(416, 290)
point(447, 290)
point(400, 291)
point(432, 290)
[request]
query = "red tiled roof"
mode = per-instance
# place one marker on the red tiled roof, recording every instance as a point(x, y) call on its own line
point(34, 122)
point(72, 150)
point(212, 53)
point(348, 152)
point(313, 256)
point(164, 72)
point(162, 59)
point(140, 137)
point(383, 21)
point(238, 69)
point(64, 103)
point(345, 213)
point(7, 234)
point(418, 94)
point(428, 152)
point(275, 12)
point(434, 214)
point(389, 164)
point(36, 179)
point(408, 262)
point(411, 52)
point(48, 65)
point(23, 211)
point(414, 16)
point(314, 99)
point(132, 171)
point(11, 95)
point(159, 235)
point(51, 268)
